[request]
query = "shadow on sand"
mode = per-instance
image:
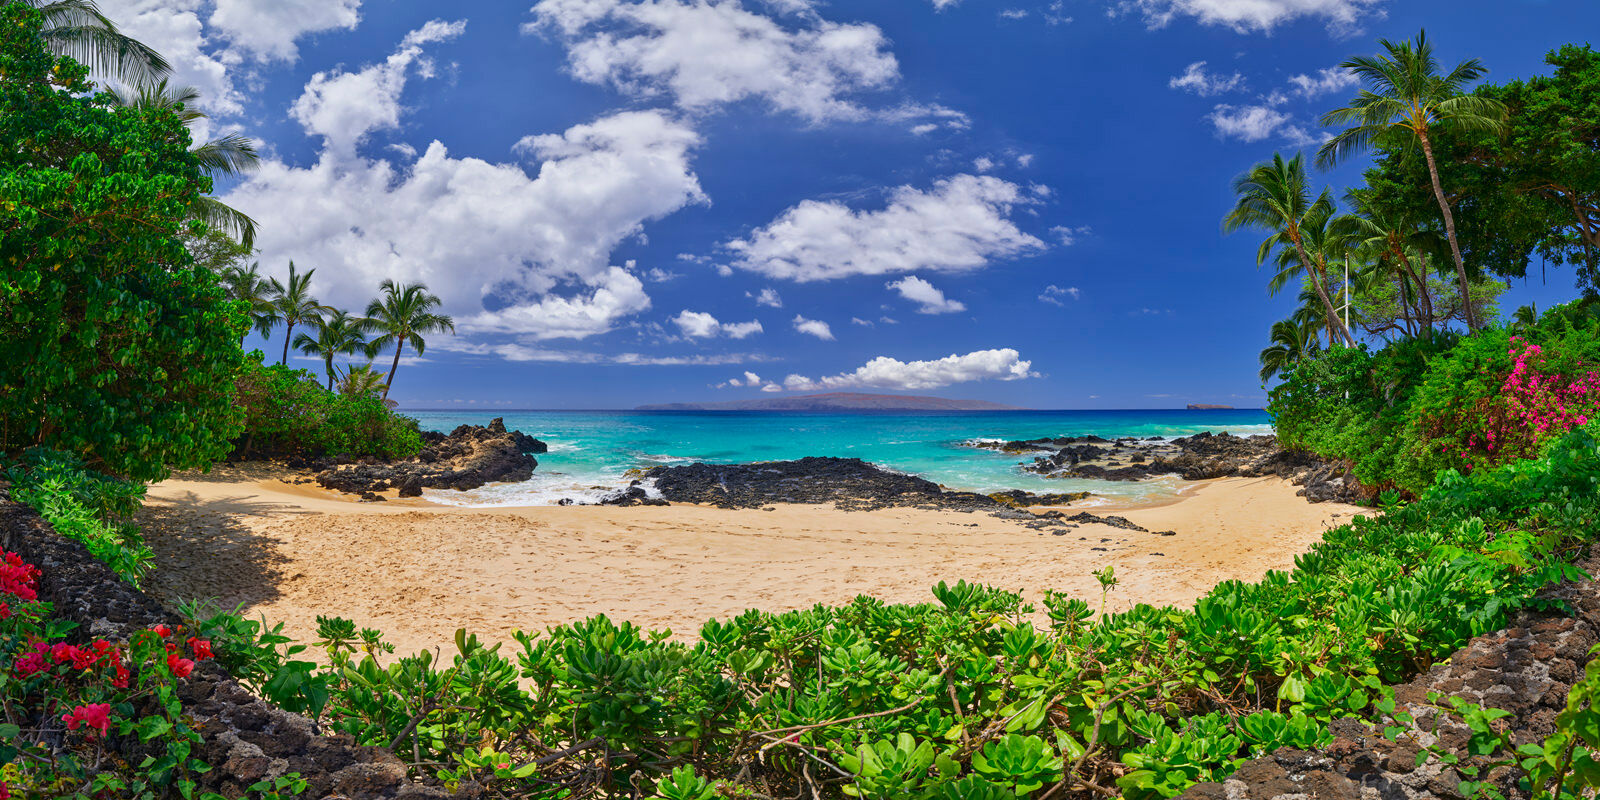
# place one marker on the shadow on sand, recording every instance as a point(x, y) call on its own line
point(204, 551)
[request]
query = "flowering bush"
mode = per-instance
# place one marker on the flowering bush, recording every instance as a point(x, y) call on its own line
point(1536, 402)
point(76, 714)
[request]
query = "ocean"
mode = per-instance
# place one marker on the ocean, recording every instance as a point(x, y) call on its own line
point(591, 451)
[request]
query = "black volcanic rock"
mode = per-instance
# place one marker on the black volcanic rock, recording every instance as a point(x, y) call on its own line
point(469, 457)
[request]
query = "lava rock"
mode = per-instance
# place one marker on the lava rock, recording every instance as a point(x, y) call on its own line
point(469, 457)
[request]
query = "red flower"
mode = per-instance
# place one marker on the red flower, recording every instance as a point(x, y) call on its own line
point(30, 664)
point(201, 648)
point(96, 715)
point(122, 678)
point(180, 667)
point(162, 631)
point(5, 613)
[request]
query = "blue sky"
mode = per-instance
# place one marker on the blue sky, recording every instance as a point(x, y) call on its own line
point(626, 203)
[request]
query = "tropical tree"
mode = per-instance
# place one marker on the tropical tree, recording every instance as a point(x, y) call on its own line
point(1290, 341)
point(77, 29)
point(337, 334)
point(362, 381)
point(1274, 196)
point(231, 155)
point(1388, 240)
point(248, 285)
point(292, 304)
point(1405, 100)
point(402, 315)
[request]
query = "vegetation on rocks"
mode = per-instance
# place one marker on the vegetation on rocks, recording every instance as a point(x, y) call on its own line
point(288, 414)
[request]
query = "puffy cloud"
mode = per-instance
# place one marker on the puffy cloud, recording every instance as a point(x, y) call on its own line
point(888, 373)
point(767, 297)
point(174, 29)
point(961, 223)
point(268, 29)
point(707, 54)
point(700, 325)
point(344, 107)
point(1340, 16)
point(812, 327)
point(1198, 80)
point(1056, 295)
point(749, 379)
point(492, 241)
point(1325, 81)
point(1067, 235)
point(929, 299)
point(865, 323)
point(1247, 123)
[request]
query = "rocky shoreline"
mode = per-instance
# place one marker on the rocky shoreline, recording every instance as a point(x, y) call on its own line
point(1193, 458)
point(469, 457)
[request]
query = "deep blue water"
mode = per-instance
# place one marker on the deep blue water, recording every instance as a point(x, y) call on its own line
point(591, 450)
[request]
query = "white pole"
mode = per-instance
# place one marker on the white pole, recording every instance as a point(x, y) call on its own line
point(1347, 291)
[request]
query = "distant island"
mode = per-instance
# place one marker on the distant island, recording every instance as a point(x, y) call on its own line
point(837, 401)
point(1208, 407)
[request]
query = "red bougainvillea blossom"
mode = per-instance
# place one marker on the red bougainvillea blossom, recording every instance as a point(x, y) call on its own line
point(94, 715)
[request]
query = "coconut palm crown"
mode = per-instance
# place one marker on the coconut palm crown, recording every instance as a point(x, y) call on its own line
point(402, 315)
point(77, 29)
point(292, 304)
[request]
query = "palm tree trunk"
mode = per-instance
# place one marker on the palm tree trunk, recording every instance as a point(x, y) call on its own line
point(399, 343)
point(287, 334)
point(329, 362)
point(1450, 233)
point(1322, 292)
point(1424, 299)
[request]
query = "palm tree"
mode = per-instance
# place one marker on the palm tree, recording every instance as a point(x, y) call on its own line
point(77, 29)
point(292, 304)
point(403, 314)
point(363, 381)
point(250, 286)
point(1406, 99)
point(1274, 196)
point(1392, 239)
point(228, 156)
point(338, 334)
point(1291, 340)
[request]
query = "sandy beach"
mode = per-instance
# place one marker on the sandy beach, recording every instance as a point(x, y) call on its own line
point(418, 570)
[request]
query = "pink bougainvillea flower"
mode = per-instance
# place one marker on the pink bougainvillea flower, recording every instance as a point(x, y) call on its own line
point(94, 715)
point(162, 631)
point(180, 666)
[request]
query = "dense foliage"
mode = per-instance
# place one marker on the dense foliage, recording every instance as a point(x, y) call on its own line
point(85, 506)
point(287, 413)
point(113, 345)
point(965, 697)
point(1401, 414)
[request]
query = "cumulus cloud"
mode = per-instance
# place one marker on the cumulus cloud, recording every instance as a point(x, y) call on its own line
point(1068, 235)
point(1325, 81)
point(268, 29)
point(929, 299)
point(345, 107)
point(514, 351)
point(1342, 17)
point(702, 55)
point(749, 379)
point(960, 224)
point(509, 253)
point(700, 325)
point(175, 30)
point(888, 373)
point(1197, 79)
point(1057, 295)
point(812, 327)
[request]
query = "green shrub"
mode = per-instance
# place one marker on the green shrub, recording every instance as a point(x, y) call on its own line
point(85, 506)
point(113, 345)
point(964, 697)
point(288, 413)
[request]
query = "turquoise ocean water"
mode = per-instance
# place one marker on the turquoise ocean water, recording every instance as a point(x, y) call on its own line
point(591, 450)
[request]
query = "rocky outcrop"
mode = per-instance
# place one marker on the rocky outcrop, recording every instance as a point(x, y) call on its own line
point(469, 457)
point(244, 739)
point(1527, 669)
point(1199, 457)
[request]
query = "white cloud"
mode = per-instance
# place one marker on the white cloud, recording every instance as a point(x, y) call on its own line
point(1054, 15)
point(1325, 81)
point(657, 274)
point(768, 297)
point(888, 373)
point(1013, 13)
point(983, 163)
point(929, 299)
point(174, 29)
point(1067, 235)
point(1342, 17)
point(1056, 295)
point(345, 107)
point(700, 325)
point(961, 223)
point(1247, 123)
point(750, 379)
point(268, 29)
point(708, 54)
point(865, 323)
point(1197, 79)
point(812, 327)
point(490, 240)
point(523, 352)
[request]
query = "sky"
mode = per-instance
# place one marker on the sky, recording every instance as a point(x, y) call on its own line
point(629, 202)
